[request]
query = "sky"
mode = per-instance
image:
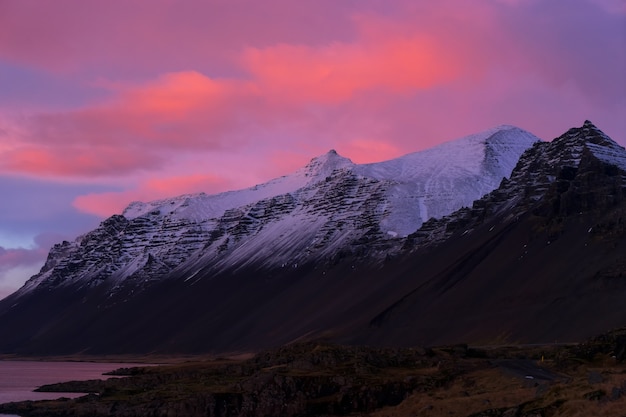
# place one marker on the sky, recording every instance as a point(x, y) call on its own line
point(107, 102)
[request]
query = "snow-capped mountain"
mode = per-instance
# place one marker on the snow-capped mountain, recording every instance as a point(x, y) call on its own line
point(332, 252)
point(329, 208)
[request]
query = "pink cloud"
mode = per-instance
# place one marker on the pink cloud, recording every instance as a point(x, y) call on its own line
point(11, 258)
point(138, 128)
point(68, 161)
point(395, 78)
point(70, 35)
point(142, 124)
point(368, 150)
point(184, 109)
point(286, 161)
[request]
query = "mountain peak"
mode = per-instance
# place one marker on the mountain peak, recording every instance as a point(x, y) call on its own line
point(590, 138)
point(588, 132)
point(588, 124)
point(325, 164)
point(593, 133)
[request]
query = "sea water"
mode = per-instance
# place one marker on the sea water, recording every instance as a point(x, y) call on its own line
point(18, 379)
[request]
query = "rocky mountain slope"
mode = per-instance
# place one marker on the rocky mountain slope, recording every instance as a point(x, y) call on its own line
point(327, 209)
point(540, 258)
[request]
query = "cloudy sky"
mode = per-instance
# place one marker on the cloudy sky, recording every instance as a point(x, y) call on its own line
point(106, 102)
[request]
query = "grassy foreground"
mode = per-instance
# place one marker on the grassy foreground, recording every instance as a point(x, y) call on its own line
point(313, 379)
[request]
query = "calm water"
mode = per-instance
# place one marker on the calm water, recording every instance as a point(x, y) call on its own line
point(18, 379)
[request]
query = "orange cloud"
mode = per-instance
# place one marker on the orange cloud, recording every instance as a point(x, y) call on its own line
point(107, 204)
point(340, 70)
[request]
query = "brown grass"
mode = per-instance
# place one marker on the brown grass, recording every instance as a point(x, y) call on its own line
point(490, 388)
point(477, 391)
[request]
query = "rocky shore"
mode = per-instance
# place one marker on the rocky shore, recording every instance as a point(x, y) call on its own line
point(316, 379)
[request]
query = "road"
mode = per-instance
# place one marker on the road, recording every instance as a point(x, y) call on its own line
point(527, 369)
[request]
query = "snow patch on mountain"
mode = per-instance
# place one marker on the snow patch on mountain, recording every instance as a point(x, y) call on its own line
point(437, 181)
point(603, 147)
point(425, 184)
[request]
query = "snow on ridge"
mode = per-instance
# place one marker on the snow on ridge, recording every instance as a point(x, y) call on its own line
point(442, 179)
point(419, 178)
point(504, 148)
point(594, 140)
point(466, 153)
point(613, 155)
point(325, 164)
point(203, 206)
point(603, 147)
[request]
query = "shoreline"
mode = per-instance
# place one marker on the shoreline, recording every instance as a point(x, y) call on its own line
point(148, 359)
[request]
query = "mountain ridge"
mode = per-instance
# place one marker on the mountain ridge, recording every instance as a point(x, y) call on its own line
point(328, 206)
point(537, 259)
